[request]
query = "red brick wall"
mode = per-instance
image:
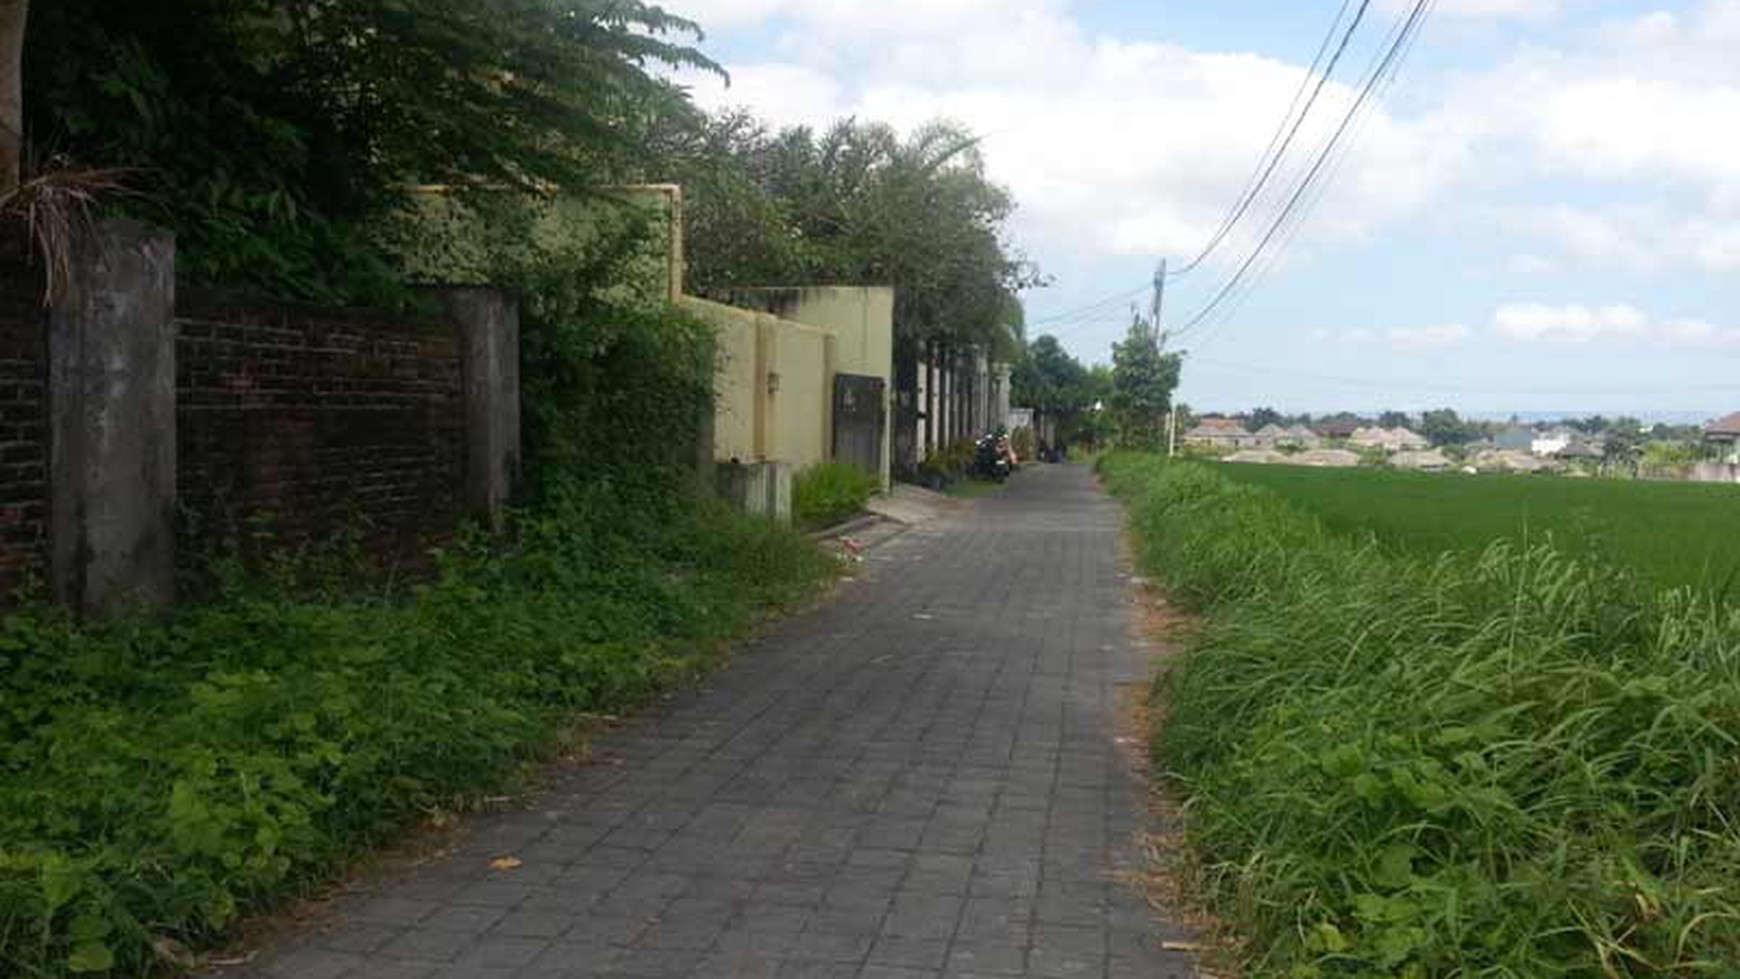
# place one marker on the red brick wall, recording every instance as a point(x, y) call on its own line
point(298, 422)
point(23, 422)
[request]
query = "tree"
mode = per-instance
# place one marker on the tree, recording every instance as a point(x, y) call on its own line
point(1624, 445)
point(275, 137)
point(1262, 417)
point(1048, 378)
point(14, 15)
point(1143, 379)
point(856, 203)
point(1394, 419)
point(1444, 427)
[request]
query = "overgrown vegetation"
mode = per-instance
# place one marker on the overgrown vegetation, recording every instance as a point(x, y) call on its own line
point(1666, 533)
point(156, 781)
point(1501, 763)
point(827, 493)
point(275, 136)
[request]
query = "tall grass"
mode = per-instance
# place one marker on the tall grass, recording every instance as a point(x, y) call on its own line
point(1498, 763)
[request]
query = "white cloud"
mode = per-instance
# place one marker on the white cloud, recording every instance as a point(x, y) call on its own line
point(1538, 322)
point(1397, 337)
point(1580, 324)
point(1111, 147)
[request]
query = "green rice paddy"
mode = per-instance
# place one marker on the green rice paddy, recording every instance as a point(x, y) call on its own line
point(1670, 534)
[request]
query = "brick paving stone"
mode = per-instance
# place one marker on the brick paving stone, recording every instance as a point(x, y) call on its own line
point(919, 779)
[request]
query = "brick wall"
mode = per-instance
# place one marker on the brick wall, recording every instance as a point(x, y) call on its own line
point(298, 422)
point(23, 421)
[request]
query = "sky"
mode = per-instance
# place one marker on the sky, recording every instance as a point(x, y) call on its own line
point(1541, 213)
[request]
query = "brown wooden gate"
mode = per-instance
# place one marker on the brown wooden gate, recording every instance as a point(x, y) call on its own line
point(860, 418)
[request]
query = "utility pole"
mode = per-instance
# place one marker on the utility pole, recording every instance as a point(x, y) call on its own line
point(1159, 298)
point(1171, 432)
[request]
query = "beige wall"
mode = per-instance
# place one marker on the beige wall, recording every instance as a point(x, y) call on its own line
point(860, 321)
point(774, 387)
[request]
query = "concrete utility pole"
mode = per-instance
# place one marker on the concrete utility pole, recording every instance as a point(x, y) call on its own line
point(1171, 432)
point(1159, 298)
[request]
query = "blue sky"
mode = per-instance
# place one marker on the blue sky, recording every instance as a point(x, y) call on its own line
point(1542, 214)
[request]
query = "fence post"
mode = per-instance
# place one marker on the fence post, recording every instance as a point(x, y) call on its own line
point(489, 357)
point(111, 396)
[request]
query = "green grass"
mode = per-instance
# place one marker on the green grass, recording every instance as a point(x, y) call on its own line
point(1505, 762)
point(829, 492)
point(1670, 534)
point(160, 779)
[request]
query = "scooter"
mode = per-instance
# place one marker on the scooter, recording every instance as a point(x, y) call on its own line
point(991, 458)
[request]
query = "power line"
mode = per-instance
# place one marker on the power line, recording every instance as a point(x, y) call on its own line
point(1095, 306)
point(1271, 158)
point(1339, 158)
point(1408, 29)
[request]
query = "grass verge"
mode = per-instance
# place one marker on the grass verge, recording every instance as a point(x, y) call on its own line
point(1503, 763)
point(157, 780)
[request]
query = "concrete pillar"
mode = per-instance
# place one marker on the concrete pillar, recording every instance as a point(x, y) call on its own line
point(489, 345)
point(111, 395)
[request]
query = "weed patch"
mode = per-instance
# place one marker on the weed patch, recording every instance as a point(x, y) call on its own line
point(158, 780)
point(829, 492)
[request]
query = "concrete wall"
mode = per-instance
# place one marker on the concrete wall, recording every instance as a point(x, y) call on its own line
point(774, 388)
point(265, 422)
point(860, 321)
point(23, 420)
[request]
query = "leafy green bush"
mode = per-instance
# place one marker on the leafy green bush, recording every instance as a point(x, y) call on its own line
point(158, 780)
point(827, 493)
point(949, 463)
point(1502, 763)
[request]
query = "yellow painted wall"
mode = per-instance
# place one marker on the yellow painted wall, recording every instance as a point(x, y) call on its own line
point(860, 319)
point(773, 393)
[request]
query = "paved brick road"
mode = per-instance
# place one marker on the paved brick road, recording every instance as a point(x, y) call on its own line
point(919, 779)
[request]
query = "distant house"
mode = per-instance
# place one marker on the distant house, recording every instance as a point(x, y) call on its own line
point(1327, 458)
point(1270, 436)
point(1512, 460)
point(1723, 435)
point(1220, 433)
point(1388, 439)
point(1338, 428)
point(1552, 442)
point(1581, 448)
point(1430, 460)
point(1300, 437)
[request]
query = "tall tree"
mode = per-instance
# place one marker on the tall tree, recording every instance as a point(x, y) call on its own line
point(1263, 417)
point(856, 202)
point(1394, 419)
point(1143, 379)
point(14, 16)
point(274, 136)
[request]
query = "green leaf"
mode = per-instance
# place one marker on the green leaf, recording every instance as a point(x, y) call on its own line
point(91, 957)
point(1395, 867)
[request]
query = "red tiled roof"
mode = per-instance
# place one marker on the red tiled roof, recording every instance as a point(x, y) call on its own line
point(1726, 425)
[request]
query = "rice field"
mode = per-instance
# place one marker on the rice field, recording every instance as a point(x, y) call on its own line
point(1499, 762)
point(1670, 534)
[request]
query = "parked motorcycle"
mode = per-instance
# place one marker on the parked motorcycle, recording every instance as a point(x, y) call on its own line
point(992, 458)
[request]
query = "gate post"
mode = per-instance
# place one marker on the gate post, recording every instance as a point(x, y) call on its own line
point(111, 419)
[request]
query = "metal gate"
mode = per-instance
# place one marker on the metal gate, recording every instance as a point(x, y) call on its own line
point(859, 421)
